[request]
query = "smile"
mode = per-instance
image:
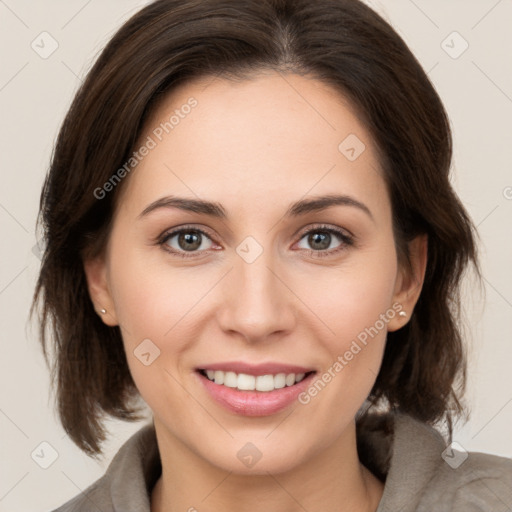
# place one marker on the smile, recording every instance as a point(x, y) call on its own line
point(254, 390)
point(245, 382)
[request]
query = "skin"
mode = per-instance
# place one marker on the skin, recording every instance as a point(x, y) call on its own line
point(256, 146)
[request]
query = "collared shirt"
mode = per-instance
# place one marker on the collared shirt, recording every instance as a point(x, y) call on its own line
point(420, 473)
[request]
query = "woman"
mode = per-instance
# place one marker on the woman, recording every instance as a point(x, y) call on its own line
point(250, 225)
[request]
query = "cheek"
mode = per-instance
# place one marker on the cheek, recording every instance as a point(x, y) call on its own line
point(354, 304)
point(351, 299)
point(155, 307)
point(149, 305)
point(150, 297)
point(356, 310)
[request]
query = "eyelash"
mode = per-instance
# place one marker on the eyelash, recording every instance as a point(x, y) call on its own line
point(346, 241)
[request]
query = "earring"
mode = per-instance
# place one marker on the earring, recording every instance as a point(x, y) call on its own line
point(403, 314)
point(103, 311)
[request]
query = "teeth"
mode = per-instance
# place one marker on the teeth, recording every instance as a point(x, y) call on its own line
point(280, 380)
point(230, 380)
point(245, 382)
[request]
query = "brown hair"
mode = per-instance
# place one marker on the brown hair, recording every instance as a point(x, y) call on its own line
point(169, 42)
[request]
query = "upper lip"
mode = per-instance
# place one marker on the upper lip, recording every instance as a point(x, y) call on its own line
point(269, 368)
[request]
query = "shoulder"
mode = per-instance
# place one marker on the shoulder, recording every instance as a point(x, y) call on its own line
point(95, 497)
point(125, 485)
point(470, 481)
point(422, 473)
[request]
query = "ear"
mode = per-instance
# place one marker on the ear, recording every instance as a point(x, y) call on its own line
point(99, 290)
point(409, 282)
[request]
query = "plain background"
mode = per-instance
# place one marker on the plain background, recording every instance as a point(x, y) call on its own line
point(35, 92)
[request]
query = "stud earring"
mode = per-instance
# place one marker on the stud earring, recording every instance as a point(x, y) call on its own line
point(103, 311)
point(403, 314)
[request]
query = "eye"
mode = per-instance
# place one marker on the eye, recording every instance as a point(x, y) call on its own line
point(186, 240)
point(190, 242)
point(321, 238)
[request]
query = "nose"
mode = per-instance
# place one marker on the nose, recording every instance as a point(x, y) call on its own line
point(257, 303)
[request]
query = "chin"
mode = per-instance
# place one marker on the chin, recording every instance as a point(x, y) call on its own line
point(254, 458)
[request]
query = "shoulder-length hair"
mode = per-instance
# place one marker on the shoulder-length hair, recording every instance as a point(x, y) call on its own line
point(340, 42)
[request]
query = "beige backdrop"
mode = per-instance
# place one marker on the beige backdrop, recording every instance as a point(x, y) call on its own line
point(47, 46)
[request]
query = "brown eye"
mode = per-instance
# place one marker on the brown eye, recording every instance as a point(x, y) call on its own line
point(319, 240)
point(189, 241)
point(186, 240)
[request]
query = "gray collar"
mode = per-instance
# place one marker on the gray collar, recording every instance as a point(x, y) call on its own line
point(398, 449)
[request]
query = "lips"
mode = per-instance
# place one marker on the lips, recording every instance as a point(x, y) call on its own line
point(254, 390)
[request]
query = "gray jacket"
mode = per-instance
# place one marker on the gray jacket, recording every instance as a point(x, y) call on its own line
point(421, 474)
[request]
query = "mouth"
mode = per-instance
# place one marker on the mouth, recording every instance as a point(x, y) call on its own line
point(250, 389)
point(263, 383)
point(254, 390)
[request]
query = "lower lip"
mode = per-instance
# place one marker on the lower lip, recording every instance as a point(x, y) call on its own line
point(254, 403)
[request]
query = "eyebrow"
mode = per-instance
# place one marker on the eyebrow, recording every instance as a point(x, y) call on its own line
point(216, 210)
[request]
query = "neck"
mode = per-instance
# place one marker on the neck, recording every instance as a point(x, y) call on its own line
point(333, 480)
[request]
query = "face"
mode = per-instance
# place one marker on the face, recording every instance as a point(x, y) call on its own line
point(261, 280)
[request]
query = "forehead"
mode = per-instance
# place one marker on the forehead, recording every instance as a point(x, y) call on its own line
point(272, 134)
